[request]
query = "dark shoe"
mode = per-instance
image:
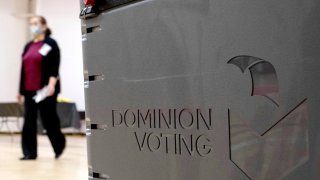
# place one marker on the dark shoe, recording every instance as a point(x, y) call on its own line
point(28, 158)
point(60, 153)
point(57, 156)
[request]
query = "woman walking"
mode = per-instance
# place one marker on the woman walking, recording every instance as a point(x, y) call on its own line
point(40, 68)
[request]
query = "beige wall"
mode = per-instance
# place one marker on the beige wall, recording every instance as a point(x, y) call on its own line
point(13, 35)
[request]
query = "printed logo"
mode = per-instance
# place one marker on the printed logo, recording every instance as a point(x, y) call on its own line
point(280, 149)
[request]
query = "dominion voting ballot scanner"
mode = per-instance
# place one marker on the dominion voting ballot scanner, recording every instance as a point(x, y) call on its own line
point(202, 89)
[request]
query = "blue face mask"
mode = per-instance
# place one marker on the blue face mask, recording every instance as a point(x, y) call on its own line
point(36, 30)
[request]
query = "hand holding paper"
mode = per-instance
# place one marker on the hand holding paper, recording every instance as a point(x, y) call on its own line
point(41, 94)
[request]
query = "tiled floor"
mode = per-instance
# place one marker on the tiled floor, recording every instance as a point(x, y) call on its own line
point(72, 165)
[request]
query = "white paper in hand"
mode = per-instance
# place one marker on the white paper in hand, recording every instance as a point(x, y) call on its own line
point(41, 94)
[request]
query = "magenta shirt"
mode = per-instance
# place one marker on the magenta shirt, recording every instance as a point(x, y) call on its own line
point(32, 67)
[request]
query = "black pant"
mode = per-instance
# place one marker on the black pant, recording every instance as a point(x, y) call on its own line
point(50, 121)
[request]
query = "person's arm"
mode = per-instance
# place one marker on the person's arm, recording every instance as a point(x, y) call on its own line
point(52, 85)
point(20, 96)
point(20, 99)
point(54, 69)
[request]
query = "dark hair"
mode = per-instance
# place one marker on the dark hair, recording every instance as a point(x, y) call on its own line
point(43, 21)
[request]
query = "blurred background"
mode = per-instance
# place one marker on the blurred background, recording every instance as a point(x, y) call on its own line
point(63, 19)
